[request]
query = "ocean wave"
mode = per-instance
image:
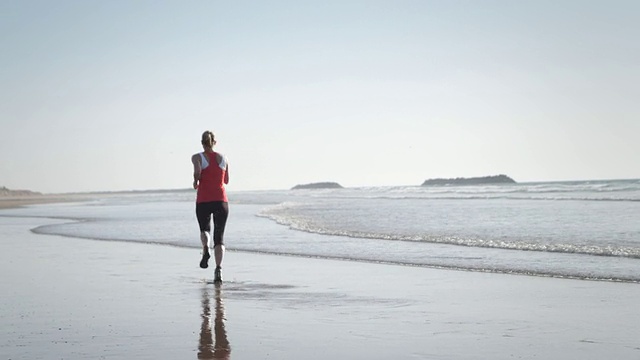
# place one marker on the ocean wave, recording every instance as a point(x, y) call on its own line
point(459, 262)
point(491, 197)
point(621, 190)
point(300, 224)
point(431, 262)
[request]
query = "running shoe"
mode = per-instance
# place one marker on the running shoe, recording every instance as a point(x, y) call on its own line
point(217, 275)
point(204, 263)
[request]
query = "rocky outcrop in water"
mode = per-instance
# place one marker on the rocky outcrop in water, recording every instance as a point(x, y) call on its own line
point(318, 185)
point(484, 180)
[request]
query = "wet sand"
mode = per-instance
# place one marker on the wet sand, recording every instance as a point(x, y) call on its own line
point(64, 298)
point(7, 202)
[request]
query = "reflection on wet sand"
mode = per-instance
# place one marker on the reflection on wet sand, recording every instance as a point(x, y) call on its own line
point(207, 348)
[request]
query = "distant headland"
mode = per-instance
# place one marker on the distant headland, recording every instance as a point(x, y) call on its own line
point(495, 179)
point(318, 185)
point(8, 192)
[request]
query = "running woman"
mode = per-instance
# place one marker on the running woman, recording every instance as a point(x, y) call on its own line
point(210, 174)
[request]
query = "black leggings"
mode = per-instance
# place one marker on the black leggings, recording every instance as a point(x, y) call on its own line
point(220, 212)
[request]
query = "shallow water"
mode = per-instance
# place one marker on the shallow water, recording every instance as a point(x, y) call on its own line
point(585, 230)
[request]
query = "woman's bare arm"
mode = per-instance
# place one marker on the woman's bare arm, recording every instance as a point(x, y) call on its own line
point(197, 169)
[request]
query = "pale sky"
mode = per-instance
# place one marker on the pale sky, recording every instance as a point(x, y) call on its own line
point(114, 95)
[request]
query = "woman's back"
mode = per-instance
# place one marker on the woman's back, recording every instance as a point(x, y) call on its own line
point(212, 177)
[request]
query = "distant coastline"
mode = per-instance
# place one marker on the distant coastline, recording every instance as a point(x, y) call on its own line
point(483, 180)
point(4, 191)
point(18, 198)
point(318, 185)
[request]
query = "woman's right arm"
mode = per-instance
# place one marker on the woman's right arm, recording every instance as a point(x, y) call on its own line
point(197, 169)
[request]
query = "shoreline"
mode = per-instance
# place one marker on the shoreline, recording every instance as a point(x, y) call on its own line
point(74, 298)
point(36, 230)
point(12, 202)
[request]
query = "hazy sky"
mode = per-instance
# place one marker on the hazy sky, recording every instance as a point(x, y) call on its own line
point(114, 95)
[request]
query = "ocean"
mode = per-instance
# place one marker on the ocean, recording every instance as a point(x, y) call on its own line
point(581, 229)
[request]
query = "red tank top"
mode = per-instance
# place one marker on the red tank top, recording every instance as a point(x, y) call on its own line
point(211, 186)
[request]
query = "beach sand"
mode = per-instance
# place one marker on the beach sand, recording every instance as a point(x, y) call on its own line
point(7, 202)
point(65, 298)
